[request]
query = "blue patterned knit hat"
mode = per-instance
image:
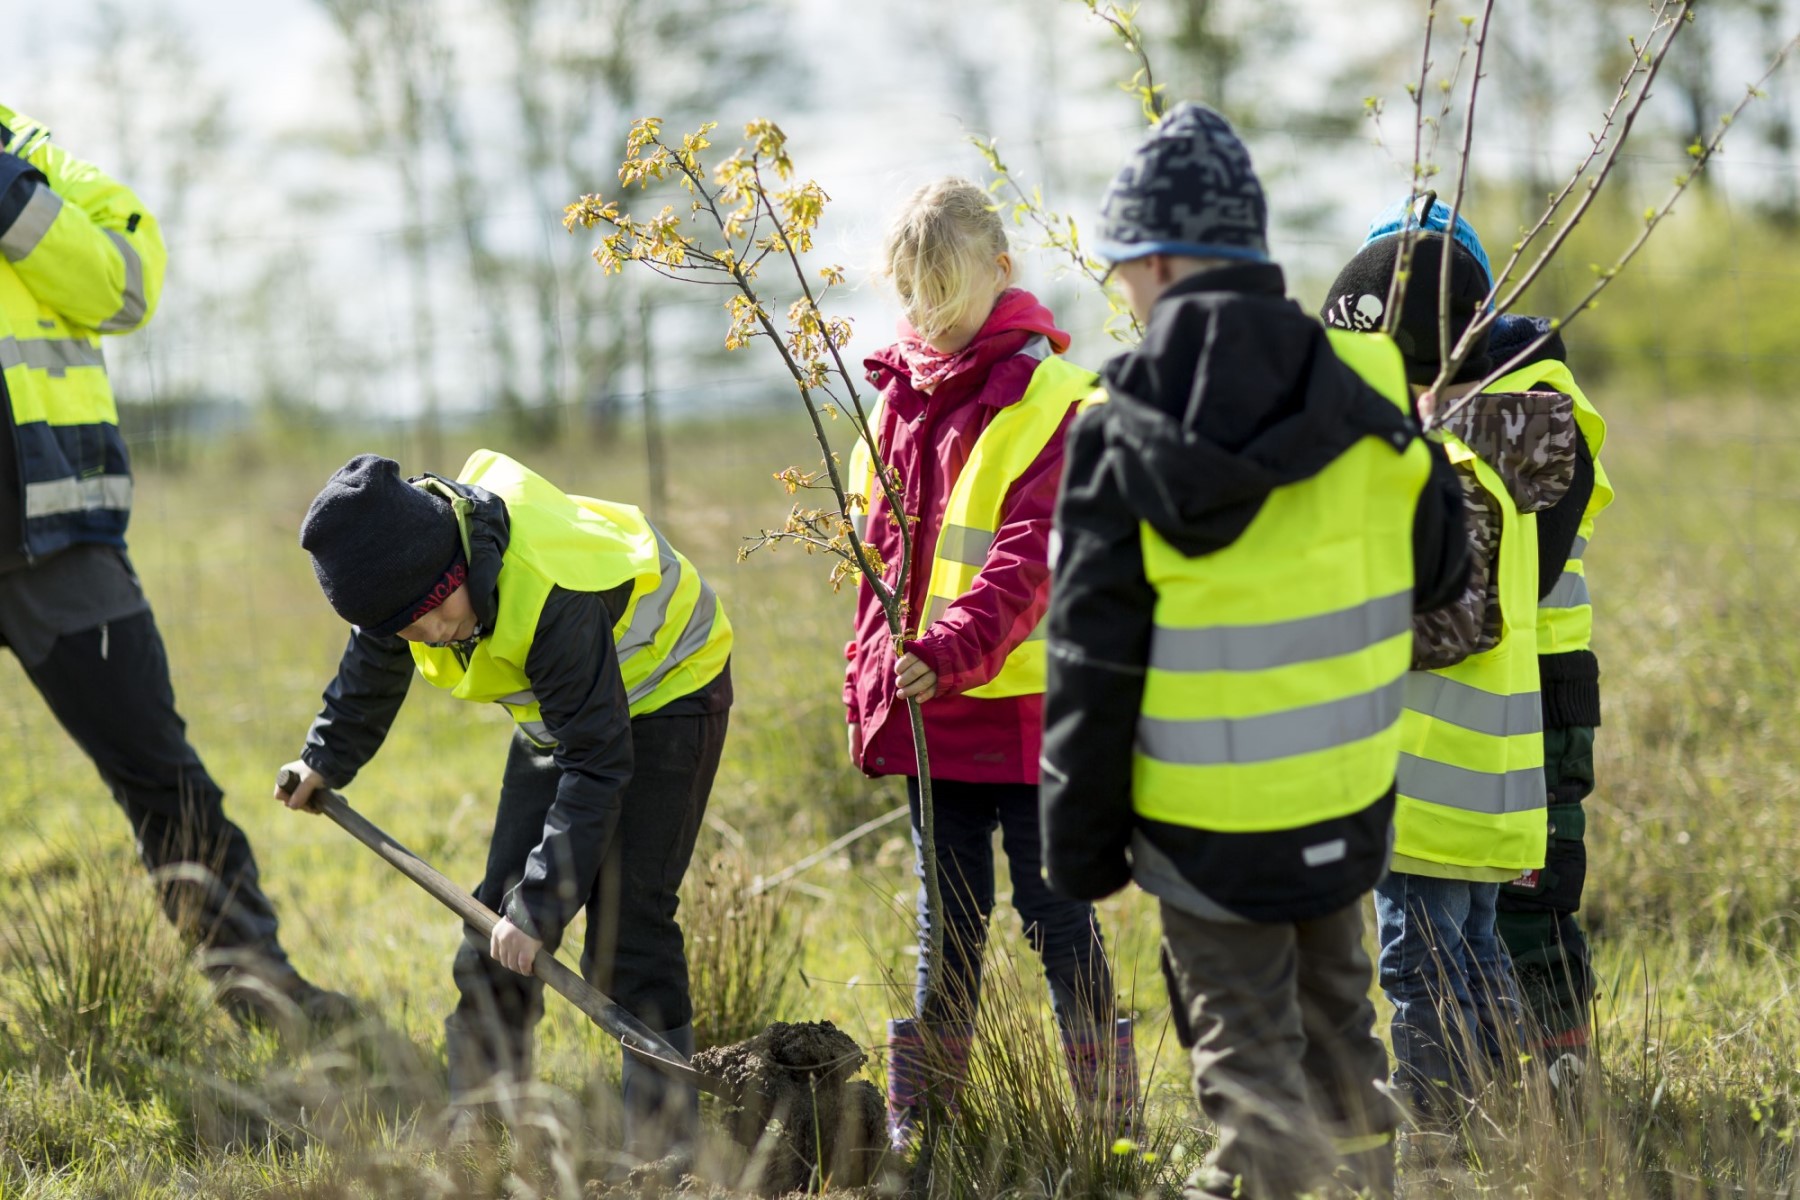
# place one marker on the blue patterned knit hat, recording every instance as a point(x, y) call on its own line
point(1188, 189)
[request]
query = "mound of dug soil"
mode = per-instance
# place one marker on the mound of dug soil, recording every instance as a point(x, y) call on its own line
point(803, 1117)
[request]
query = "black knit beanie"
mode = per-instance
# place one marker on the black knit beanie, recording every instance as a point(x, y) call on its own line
point(1358, 300)
point(386, 553)
point(1188, 189)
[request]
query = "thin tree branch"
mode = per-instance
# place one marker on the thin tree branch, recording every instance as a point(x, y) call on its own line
point(1703, 154)
point(1462, 183)
point(1484, 319)
point(1390, 318)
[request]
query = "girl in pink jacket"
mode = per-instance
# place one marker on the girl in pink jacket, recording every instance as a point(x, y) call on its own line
point(975, 401)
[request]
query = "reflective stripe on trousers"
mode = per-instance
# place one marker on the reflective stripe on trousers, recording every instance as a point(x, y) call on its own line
point(1217, 741)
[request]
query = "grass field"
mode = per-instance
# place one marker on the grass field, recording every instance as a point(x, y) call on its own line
point(143, 1091)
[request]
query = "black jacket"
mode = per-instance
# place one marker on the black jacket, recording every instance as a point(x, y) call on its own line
point(574, 672)
point(1570, 682)
point(1234, 392)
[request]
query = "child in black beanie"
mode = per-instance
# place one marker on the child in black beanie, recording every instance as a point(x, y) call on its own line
point(611, 654)
point(1470, 811)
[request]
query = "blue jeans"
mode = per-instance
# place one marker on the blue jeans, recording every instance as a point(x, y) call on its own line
point(1446, 973)
point(1064, 932)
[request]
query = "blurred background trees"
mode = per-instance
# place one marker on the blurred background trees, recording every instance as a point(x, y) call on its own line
point(363, 197)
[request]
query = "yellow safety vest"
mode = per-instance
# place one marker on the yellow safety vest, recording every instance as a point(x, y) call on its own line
point(1471, 778)
point(1005, 450)
point(1273, 695)
point(1566, 615)
point(82, 258)
point(672, 639)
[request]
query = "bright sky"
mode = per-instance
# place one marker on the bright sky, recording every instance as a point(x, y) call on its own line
point(885, 121)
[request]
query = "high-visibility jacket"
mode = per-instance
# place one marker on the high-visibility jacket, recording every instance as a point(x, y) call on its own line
point(1006, 449)
point(1471, 778)
point(1566, 615)
point(673, 637)
point(81, 258)
point(1273, 695)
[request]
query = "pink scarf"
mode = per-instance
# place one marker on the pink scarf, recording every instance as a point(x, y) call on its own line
point(1016, 318)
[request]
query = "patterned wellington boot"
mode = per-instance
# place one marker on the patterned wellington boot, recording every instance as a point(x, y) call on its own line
point(1104, 1072)
point(924, 1064)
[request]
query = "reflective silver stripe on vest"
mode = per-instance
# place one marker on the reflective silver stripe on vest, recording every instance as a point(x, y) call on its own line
point(1571, 591)
point(54, 355)
point(537, 731)
point(647, 619)
point(961, 544)
point(132, 304)
point(1217, 741)
point(1470, 708)
point(32, 223)
point(56, 496)
point(693, 639)
point(1473, 791)
point(1281, 643)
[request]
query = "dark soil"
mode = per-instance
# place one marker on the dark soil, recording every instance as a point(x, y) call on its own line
point(801, 1115)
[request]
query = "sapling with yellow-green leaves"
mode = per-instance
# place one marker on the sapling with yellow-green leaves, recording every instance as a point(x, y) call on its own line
point(744, 211)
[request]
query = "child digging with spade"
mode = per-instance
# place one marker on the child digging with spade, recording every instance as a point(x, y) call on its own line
point(612, 655)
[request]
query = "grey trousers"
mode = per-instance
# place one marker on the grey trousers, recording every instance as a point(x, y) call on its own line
point(1280, 1028)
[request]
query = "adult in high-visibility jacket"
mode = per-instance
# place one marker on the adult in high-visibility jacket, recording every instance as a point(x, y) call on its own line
point(611, 655)
point(974, 399)
point(81, 258)
point(1471, 794)
point(1247, 524)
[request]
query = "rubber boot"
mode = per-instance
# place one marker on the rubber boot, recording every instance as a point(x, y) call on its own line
point(924, 1065)
point(662, 1117)
point(1105, 1075)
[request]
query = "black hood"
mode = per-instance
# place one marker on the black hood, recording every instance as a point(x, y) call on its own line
point(1234, 392)
point(490, 532)
point(1512, 334)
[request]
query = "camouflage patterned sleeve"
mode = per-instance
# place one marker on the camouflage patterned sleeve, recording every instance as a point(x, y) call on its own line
point(1528, 438)
point(1471, 624)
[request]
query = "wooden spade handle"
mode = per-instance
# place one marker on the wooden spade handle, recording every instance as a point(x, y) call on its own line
point(602, 1010)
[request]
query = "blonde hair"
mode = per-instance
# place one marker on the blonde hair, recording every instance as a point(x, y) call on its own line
point(939, 250)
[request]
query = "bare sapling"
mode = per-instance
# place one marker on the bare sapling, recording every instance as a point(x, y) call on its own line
point(745, 211)
point(1541, 241)
point(1428, 128)
point(1057, 231)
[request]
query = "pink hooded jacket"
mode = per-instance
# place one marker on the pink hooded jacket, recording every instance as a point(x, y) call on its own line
point(927, 438)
